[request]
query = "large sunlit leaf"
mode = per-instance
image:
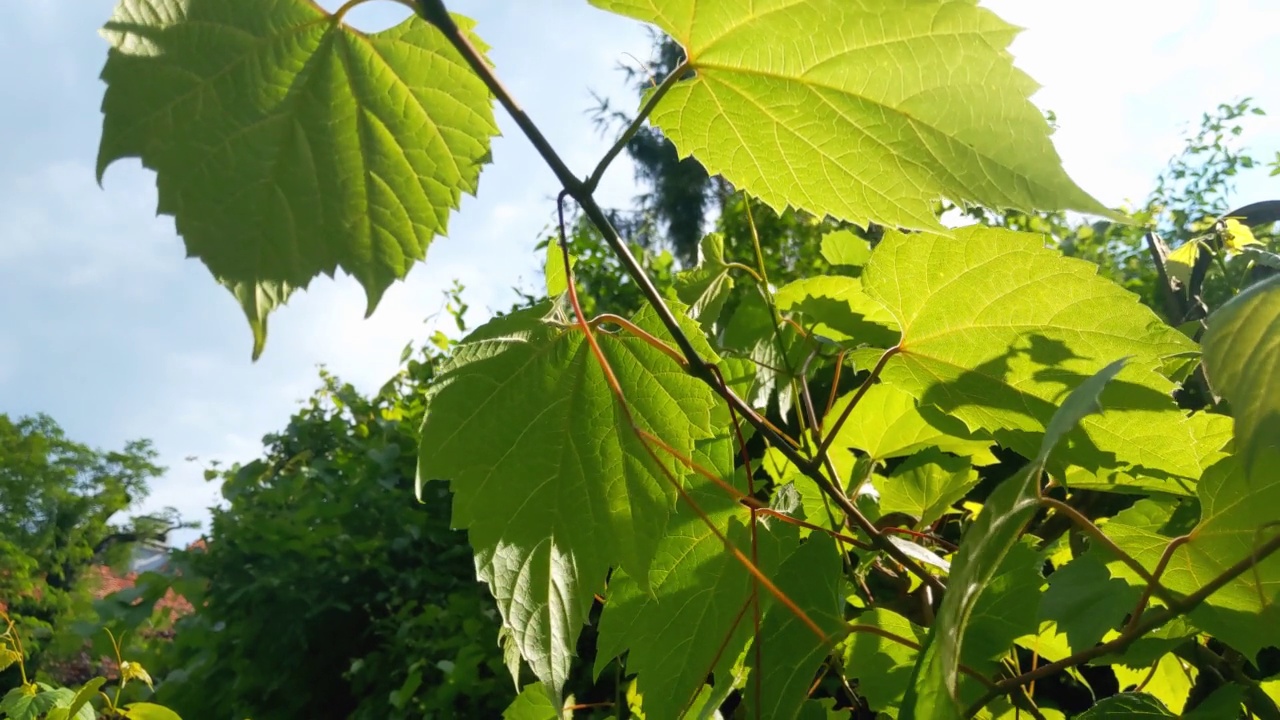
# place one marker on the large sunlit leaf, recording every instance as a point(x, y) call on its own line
point(997, 329)
point(1085, 601)
point(1242, 360)
point(836, 308)
point(549, 479)
point(867, 110)
point(287, 144)
point(933, 694)
point(889, 423)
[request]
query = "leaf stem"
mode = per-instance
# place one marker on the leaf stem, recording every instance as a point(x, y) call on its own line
point(857, 397)
point(641, 333)
point(594, 180)
point(1145, 598)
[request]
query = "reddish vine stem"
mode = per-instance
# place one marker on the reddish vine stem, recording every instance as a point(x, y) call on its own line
point(620, 397)
point(857, 397)
point(1177, 607)
point(641, 333)
point(835, 383)
point(757, 647)
point(435, 12)
point(1156, 574)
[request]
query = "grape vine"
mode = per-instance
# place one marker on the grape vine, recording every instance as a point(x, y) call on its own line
point(923, 544)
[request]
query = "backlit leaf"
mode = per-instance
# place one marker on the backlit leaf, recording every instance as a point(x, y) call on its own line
point(889, 423)
point(926, 486)
point(1085, 601)
point(866, 111)
point(706, 287)
point(791, 651)
point(1242, 360)
point(532, 703)
point(287, 144)
point(837, 308)
point(997, 329)
point(549, 479)
point(845, 250)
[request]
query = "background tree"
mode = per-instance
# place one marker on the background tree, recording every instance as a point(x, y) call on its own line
point(60, 513)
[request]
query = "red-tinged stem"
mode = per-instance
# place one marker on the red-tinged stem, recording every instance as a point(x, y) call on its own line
point(770, 512)
point(857, 397)
point(1152, 584)
point(835, 384)
point(641, 333)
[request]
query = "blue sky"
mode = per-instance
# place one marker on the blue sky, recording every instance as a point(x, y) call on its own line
point(108, 328)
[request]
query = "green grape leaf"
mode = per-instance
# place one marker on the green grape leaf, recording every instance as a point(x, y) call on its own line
point(287, 144)
point(881, 666)
point(845, 250)
point(983, 549)
point(926, 486)
point(997, 329)
point(678, 634)
point(1007, 607)
point(149, 711)
point(888, 423)
point(27, 702)
point(1222, 703)
point(707, 286)
point(1085, 601)
point(838, 309)
point(696, 621)
point(553, 269)
point(532, 703)
point(1169, 680)
point(866, 111)
point(79, 707)
point(1242, 360)
point(791, 651)
point(549, 479)
point(1128, 706)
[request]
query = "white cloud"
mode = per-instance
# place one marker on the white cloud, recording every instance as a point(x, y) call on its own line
point(1125, 78)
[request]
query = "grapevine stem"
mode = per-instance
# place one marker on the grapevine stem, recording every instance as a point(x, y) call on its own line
point(857, 397)
point(1093, 531)
point(434, 12)
point(1145, 598)
point(644, 335)
point(634, 127)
